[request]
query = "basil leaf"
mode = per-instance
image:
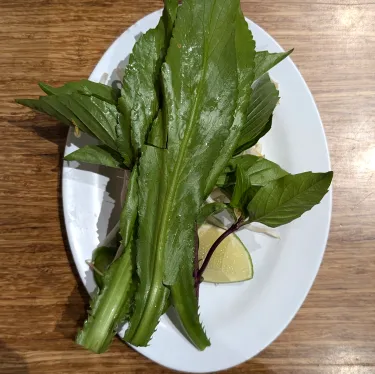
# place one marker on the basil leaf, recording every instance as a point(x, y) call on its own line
point(258, 170)
point(209, 210)
point(85, 87)
point(97, 154)
point(243, 191)
point(283, 200)
point(264, 61)
point(139, 100)
point(263, 102)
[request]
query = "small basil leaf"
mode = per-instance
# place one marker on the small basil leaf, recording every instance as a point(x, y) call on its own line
point(97, 154)
point(283, 200)
point(209, 210)
point(243, 191)
point(258, 170)
point(264, 61)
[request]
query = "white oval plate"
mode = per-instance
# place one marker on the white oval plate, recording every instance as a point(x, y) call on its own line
point(240, 319)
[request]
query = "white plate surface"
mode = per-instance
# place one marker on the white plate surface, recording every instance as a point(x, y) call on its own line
point(240, 319)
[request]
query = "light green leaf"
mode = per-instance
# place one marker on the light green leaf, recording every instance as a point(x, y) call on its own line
point(264, 61)
point(97, 154)
point(139, 100)
point(263, 102)
point(283, 200)
point(85, 87)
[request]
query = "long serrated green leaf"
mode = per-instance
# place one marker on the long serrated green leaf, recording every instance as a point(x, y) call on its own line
point(188, 311)
point(200, 94)
point(91, 112)
point(110, 307)
point(245, 52)
point(85, 87)
point(152, 295)
point(263, 102)
point(97, 154)
point(200, 88)
point(123, 140)
point(139, 100)
point(283, 200)
point(265, 61)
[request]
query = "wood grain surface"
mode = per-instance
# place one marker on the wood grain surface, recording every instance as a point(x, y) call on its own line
point(41, 298)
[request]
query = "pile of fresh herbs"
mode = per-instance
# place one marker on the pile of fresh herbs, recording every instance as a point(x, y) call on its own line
point(195, 96)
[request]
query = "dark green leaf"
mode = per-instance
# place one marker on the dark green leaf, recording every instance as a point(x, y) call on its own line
point(245, 52)
point(264, 61)
point(283, 200)
point(97, 154)
point(141, 86)
point(85, 87)
point(209, 210)
point(263, 102)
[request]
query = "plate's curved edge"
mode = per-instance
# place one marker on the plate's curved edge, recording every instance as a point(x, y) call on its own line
point(65, 188)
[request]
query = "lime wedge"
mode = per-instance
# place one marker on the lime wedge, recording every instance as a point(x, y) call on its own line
point(231, 262)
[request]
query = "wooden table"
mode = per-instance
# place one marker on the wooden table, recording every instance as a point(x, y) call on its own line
point(42, 301)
